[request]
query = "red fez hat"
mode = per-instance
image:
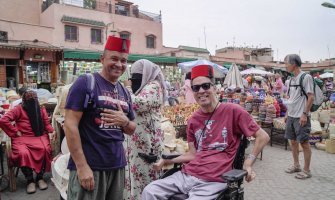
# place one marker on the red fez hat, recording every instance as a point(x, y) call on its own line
point(202, 70)
point(117, 44)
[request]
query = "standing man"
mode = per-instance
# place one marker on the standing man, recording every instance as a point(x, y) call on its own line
point(298, 124)
point(95, 132)
point(213, 135)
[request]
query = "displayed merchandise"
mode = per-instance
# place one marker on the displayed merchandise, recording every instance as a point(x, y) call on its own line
point(321, 145)
point(270, 114)
point(324, 116)
point(315, 127)
point(179, 114)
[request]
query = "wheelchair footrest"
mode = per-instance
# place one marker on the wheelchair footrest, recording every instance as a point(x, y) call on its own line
point(234, 175)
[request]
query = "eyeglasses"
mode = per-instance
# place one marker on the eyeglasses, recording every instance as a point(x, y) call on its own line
point(205, 86)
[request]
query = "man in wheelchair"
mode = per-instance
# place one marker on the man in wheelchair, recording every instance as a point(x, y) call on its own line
point(213, 134)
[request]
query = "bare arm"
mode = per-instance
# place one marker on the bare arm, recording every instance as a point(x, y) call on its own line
point(262, 138)
point(184, 158)
point(309, 103)
point(85, 174)
point(130, 129)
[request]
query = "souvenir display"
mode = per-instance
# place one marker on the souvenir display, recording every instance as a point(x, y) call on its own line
point(179, 114)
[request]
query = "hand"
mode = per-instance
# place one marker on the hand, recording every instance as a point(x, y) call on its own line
point(114, 118)
point(159, 165)
point(127, 83)
point(52, 136)
point(303, 120)
point(251, 174)
point(85, 177)
point(18, 134)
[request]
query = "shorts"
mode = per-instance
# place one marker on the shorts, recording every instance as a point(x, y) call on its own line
point(294, 131)
point(108, 185)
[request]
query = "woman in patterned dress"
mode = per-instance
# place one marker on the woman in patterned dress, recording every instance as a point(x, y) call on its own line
point(148, 91)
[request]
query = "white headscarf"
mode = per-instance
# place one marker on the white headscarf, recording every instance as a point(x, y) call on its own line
point(150, 72)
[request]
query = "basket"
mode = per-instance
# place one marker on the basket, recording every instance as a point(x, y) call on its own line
point(320, 146)
point(330, 146)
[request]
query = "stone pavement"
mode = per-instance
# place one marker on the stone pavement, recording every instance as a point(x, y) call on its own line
point(271, 183)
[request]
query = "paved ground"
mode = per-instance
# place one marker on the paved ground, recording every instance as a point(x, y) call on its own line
point(271, 183)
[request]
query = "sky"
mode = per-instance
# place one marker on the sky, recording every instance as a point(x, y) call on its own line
point(287, 26)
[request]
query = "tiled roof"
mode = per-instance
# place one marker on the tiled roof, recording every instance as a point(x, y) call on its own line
point(194, 49)
point(76, 20)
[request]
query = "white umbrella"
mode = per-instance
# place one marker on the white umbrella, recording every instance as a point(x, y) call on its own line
point(256, 72)
point(233, 78)
point(219, 71)
point(327, 75)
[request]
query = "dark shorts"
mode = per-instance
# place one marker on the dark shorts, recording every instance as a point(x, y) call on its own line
point(294, 131)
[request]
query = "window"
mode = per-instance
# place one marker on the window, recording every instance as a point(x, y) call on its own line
point(125, 35)
point(151, 41)
point(71, 33)
point(3, 36)
point(96, 35)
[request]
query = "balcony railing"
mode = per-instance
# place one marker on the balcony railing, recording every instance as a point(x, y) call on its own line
point(131, 11)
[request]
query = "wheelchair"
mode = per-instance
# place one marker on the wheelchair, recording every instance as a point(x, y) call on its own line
point(234, 178)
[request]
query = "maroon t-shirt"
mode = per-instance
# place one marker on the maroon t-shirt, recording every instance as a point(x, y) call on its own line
point(217, 147)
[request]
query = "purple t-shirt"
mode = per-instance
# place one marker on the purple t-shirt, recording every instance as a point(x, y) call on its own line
point(102, 145)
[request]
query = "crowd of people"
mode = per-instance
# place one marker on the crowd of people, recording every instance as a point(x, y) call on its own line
point(114, 135)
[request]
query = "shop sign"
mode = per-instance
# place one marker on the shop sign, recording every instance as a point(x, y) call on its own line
point(38, 56)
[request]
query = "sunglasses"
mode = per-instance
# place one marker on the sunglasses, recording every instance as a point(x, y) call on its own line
point(205, 86)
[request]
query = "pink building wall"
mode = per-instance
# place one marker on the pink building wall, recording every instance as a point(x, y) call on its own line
point(47, 26)
point(25, 11)
point(20, 31)
point(139, 29)
point(233, 54)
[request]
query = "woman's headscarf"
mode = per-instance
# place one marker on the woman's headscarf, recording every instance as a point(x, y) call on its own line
point(32, 107)
point(150, 72)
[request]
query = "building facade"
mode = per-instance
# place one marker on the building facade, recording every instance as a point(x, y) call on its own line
point(246, 54)
point(187, 52)
point(47, 32)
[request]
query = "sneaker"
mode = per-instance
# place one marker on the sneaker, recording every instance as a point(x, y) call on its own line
point(31, 188)
point(42, 184)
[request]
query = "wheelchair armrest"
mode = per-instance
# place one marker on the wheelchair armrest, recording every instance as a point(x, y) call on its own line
point(170, 156)
point(149, 158)
point(234, 175)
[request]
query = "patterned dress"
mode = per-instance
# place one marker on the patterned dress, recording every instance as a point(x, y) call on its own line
point(148, 135)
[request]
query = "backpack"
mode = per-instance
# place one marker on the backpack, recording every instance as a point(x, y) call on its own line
point(318, 94)
point(89, 98)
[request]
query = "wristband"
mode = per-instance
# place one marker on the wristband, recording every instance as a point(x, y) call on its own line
point(305, 113)
point(251, 157)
